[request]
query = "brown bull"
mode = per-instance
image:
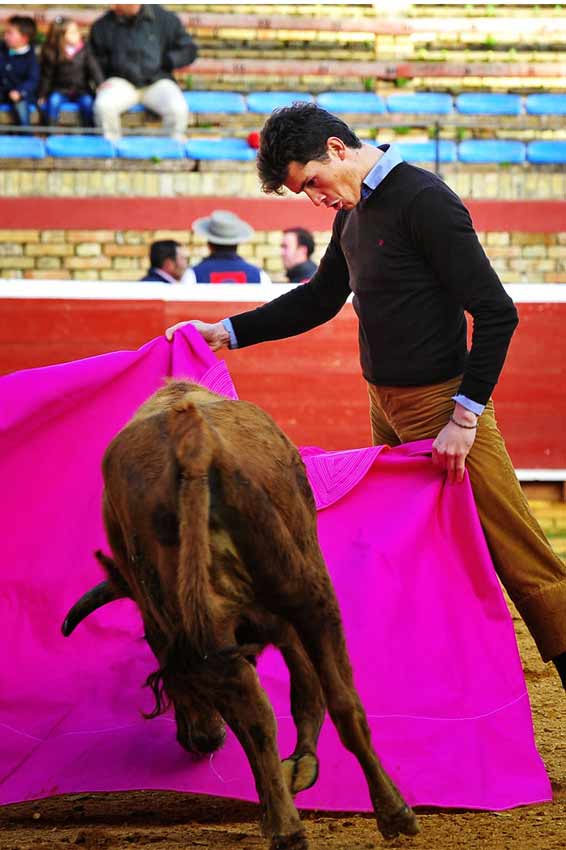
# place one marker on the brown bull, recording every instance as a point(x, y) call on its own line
point(212, 527)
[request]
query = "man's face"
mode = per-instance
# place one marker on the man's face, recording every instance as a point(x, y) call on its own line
point(126, 10)
point(291, 252)
point(181, 262)
point(13, 37)
point(331, 182)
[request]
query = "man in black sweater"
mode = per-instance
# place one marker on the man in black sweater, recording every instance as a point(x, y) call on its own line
point(404, 244)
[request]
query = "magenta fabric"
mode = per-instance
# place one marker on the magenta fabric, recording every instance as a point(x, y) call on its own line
point(430, 637)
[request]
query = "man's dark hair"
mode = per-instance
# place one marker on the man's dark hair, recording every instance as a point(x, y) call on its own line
point(25, 25)
point(164, 249)
point(297, 133)
point(304, 237)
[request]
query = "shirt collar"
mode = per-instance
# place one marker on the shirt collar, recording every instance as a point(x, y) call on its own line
point(386, 163)
point(166, 277)
point(19, 51)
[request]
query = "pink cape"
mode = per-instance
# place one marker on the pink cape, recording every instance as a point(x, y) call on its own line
point(431, 640)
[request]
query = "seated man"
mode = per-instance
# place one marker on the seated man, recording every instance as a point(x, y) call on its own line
point(297, 246)
point(168, 262)
point(223, 231)
point(137, 47)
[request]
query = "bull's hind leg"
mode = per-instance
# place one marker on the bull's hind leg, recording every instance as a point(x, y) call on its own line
point(308, 709)
point(323, 637)
point(247, 711)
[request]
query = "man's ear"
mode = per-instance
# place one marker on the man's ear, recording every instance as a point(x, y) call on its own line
point(336, 147)
point(168, 265)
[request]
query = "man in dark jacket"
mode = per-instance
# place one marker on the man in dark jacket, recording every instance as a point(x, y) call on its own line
point(19, 69)
point(297, 247)
point(137, 47)
point(168, 262)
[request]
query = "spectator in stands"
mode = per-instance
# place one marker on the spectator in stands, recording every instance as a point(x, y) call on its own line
point(223, 231)
point(297, 247)
point(404, 244)
point(168, 262)
point(138, 46)
point(19, 69)
point(69, 72)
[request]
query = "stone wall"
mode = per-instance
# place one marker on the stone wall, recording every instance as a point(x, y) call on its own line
point(123, 254)
point(25, 179)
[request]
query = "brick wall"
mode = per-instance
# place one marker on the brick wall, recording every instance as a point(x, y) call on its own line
point(239, 180)
point(59, 254)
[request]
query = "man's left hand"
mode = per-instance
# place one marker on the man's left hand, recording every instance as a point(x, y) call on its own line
point(451, 447)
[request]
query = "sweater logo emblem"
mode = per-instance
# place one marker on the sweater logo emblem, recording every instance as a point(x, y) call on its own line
point(381, 243)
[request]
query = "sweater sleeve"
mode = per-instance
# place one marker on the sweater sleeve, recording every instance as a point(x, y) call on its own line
point(47, 74)
point(98, 45)
point(94, 71)
point(303, 308)
point(181, 49)
point(29, 86)
point(443, 233)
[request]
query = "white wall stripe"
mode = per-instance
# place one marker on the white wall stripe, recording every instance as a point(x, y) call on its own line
point(525, 293)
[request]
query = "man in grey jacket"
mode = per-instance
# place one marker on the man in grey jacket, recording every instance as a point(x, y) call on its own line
point(137, 47)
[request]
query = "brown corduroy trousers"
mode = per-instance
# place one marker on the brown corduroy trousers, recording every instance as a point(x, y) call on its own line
point(532, 573)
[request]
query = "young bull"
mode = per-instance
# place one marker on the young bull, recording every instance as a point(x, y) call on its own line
point(212, 527)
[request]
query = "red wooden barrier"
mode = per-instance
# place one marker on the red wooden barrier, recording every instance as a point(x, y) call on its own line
point(311, 384)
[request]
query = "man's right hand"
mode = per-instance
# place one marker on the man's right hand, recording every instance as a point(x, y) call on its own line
point(215, 335)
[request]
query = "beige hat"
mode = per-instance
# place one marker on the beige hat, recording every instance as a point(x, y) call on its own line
point(223, 228)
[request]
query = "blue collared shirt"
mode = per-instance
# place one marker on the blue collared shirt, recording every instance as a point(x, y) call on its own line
point(386, 163)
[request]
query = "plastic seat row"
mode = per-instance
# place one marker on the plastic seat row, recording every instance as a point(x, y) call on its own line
point(416, 103)
point(129, 147)
point(157, 148)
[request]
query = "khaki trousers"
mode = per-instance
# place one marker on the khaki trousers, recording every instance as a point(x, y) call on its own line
point(164, 97)
point(533, 575)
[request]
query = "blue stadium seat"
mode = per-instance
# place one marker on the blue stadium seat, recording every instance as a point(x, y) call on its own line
point(488, 103)
point(5, 107)
point(426, 151)
point(266, 101)
point(21, 146)
point(351, 101)
point(551, 152)
point(95, 147)
point(546, 104)
point(424, 103)
point(237, 149)
point(226, 102)
point(491, 150)
point(149, 147)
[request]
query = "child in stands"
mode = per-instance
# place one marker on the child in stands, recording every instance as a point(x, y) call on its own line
point(69, 72)
point(19, 70)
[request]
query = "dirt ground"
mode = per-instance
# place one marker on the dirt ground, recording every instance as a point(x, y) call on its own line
point(168, 821)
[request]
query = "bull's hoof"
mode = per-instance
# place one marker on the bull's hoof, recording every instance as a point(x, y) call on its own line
point(295, 841)
point(403, 822)
point(300, 772)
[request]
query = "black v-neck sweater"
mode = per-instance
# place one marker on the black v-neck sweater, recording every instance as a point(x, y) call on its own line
point(410, 255)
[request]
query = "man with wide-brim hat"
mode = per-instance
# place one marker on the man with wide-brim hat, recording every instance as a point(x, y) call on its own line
point(224, 230)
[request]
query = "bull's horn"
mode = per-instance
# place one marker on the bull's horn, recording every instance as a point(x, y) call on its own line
point(94, 598)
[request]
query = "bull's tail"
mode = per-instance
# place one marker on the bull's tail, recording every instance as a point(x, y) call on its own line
point(193, 444)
